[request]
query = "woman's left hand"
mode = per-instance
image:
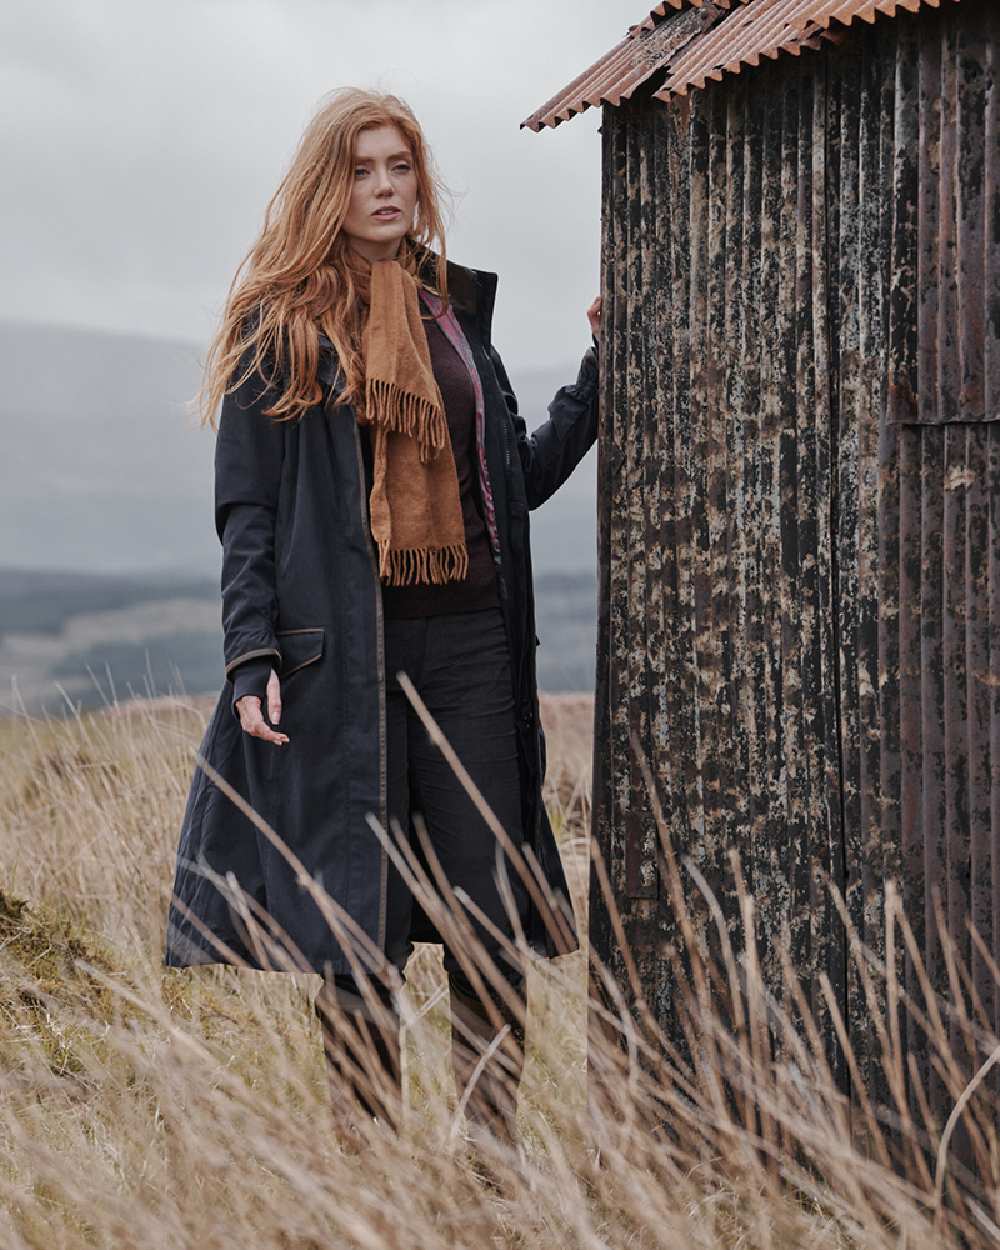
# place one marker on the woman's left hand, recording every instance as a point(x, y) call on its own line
point(594, 317)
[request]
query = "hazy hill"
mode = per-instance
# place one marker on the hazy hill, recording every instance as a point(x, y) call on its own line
point(105, 470)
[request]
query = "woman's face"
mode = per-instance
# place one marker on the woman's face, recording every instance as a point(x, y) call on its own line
point(383, 178)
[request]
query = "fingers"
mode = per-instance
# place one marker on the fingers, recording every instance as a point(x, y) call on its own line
point(273, 698)
point(594, 314)
point(254, 723)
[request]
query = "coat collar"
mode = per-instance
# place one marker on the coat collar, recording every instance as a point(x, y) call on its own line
point(472, 291)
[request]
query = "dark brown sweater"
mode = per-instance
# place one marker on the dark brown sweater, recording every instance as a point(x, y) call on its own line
point(479, 588)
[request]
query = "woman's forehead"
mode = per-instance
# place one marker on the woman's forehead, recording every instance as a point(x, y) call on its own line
point(385, 141)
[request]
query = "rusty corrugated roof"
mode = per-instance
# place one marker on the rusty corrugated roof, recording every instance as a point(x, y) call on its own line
point(698, 40)
point(648, 46)
point(663, 10)
point(767, 28)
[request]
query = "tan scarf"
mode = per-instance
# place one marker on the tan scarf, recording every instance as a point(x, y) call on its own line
point(416, 511)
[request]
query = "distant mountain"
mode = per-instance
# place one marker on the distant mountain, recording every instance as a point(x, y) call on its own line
point(44, 600)
point(149, 635)
point(105, 471)
point(70, 639)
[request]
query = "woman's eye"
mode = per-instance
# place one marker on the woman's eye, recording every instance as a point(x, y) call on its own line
point(401, 168)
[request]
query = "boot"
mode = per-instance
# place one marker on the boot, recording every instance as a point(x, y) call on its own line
point(492, 1103)
point(363, 1061)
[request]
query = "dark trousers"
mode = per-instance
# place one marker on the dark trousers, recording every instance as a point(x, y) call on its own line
point(459, 664)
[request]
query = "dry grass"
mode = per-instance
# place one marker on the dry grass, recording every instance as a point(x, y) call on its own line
point(141, 1107)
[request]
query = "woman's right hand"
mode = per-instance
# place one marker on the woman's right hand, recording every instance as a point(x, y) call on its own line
point(251, 719)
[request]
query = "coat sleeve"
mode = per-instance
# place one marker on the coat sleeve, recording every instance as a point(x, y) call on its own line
point(249, 451)
point(251, 678)
point(551, 452)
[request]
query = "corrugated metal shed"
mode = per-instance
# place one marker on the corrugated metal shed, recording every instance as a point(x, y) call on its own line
point(799, 527)
point(711, 42)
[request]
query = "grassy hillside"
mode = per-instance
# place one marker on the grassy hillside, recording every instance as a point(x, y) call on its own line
point(141, 1107)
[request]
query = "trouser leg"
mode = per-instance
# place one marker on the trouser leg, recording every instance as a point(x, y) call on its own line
point(466, 684)
point(492, 1099)
point(362, 1050)
point(460, 666)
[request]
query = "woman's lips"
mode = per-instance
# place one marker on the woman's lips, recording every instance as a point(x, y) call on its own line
point(386, 213)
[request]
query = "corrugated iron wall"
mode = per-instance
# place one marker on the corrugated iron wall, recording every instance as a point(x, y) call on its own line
point(799, 499)
point(925, 784)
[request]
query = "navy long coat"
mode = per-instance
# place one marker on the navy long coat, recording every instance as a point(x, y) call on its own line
point(300, 588)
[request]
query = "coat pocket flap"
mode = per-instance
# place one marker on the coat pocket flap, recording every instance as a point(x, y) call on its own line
point(299, 647)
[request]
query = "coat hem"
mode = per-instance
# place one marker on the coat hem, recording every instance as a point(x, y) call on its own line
point(195, 955)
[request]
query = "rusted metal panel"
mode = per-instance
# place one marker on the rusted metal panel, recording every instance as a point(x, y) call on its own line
point(660, 11)
point(705, 42)
point(919, 675)
point(645, 50)
point(945, 367)
point(601, 929)
point(860, 234)
point(768, 28)
point(715, 496)
point(800, 575)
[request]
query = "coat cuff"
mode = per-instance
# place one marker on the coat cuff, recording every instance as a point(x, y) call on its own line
point(588, 374)
point(251, 653)
point(251, 678)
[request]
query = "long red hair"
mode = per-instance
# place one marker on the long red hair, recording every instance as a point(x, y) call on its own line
point(300, 276)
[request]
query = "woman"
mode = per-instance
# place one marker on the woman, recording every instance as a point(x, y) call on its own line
point(372, 483)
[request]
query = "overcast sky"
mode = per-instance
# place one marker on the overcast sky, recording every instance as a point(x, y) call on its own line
point(143, 140)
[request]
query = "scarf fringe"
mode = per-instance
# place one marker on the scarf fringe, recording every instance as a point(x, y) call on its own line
point(425, 564)
point(393, 409)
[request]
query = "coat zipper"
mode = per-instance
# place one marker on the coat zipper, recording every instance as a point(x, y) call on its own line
point(380, 666)
point(506, 456)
